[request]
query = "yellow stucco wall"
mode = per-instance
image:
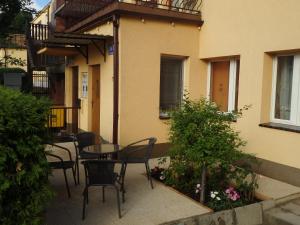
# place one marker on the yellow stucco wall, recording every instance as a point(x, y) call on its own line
point(141, 47)
point(106, 86)
point(19, 53)
point(250, 29)
point(42, 17)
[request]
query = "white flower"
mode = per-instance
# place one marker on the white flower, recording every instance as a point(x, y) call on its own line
point(218, 198)
point(212, 195)
point(198, 186)
point(216, 193)
point(197, 191)
point(161, 177)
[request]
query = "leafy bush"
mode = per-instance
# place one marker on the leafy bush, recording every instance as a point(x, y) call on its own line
point(205, 151)
point(24, 188)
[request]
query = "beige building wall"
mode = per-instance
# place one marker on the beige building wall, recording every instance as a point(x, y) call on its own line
point(18, 53)
point(251, 29)
point(43, 16)
point(142, 42)
point(106, 86)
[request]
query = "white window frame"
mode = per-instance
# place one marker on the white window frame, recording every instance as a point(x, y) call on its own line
point(232, 83)
point(295, 101)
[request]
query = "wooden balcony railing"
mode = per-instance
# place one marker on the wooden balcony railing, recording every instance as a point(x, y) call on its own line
point(77, 9)
point(38, 32)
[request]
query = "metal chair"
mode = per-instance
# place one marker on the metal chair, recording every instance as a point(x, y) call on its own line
point(62, 164)
point(100, 173)
point(82, 140)
point(137, 153)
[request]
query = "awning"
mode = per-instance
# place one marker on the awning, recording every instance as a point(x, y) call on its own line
point(68, 44)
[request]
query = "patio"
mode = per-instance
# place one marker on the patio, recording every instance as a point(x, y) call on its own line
point(142, 206)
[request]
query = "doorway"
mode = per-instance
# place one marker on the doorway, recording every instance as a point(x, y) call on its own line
point(95, 118)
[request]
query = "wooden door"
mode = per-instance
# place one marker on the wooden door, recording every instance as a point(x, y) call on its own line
point(75, 100)
point(96, 99)
point(220, 84)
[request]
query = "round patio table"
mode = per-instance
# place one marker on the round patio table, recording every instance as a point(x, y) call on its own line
point(103, 151)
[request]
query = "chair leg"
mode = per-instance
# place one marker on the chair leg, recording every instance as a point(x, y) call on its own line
point(123, 172)
point(103, 194)
point(67, 184)
point(118, 200)
point(123, 195)
point(77, 170)
point(84, 203)
point(74, 175)
point(87, 197)
point(149, 174)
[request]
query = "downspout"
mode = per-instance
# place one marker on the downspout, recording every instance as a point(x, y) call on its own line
point(116, 20)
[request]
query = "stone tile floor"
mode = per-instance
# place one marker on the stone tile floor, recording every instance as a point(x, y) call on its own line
point(143, 206)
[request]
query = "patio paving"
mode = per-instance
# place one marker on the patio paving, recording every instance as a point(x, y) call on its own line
point(143, 206)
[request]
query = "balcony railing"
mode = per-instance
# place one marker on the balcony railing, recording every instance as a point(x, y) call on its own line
point(77, 9)
point(38, 32)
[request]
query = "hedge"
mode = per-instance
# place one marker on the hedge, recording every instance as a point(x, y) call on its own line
point(24, 187)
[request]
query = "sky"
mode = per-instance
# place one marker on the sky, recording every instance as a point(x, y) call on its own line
point(39, 4)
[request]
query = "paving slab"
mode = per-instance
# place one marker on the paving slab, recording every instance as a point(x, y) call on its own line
point(143, 205)
point(274, 189)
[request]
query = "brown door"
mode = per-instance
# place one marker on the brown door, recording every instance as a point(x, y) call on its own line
point(220, 84)
point(75, 100)
point(96, 99)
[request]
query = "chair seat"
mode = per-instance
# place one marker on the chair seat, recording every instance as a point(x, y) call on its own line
point(88, 156)
point(61, 165)
point(134, 160)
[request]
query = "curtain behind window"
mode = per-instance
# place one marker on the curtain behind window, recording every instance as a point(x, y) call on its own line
point(284, 87)
point(170, 83)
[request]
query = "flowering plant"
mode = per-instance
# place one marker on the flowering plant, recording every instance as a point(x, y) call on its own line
point(232, 194)
point(205, 149)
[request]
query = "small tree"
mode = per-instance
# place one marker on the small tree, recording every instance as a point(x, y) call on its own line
point(203, 138)
point(24, 188)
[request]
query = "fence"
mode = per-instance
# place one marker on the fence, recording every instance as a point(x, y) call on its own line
point(40, 84)
point(63, 120)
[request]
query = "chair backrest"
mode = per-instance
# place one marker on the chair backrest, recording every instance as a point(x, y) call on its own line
point(99, 172)
point(139, 150)
point(85, 139)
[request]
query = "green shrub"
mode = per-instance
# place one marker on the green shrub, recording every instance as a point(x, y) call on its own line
point(205, 150)
point(24, 187)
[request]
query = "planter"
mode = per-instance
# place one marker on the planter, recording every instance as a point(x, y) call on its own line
point(246, 215)
point(251, 214)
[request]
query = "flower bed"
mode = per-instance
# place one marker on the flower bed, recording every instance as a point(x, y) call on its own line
point(216, 200)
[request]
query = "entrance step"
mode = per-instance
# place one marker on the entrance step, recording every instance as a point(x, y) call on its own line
point(285, 214)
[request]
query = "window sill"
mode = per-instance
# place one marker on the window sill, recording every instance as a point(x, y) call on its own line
point(161, 117)
point(280, 126)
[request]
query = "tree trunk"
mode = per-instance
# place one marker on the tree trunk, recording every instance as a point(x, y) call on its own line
point(203, 184)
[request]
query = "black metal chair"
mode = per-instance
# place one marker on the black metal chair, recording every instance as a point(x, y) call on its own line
point(62, 164)
point(137, 152)
point(82, 140)
point(100, 173)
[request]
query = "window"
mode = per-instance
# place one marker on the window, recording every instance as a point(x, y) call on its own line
point(223, 79)
point(285, 88)
point(170, 84)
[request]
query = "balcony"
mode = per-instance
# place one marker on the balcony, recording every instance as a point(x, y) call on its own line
point(74, 11)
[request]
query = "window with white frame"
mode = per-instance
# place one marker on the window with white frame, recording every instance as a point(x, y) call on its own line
point(222, 86)
point(286, 90)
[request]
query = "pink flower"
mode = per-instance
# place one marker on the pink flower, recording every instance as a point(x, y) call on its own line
point(232, 194)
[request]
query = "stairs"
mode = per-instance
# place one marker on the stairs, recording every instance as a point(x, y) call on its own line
point(287, 213)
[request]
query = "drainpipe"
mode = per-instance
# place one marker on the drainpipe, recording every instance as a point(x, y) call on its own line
point(116, 20)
